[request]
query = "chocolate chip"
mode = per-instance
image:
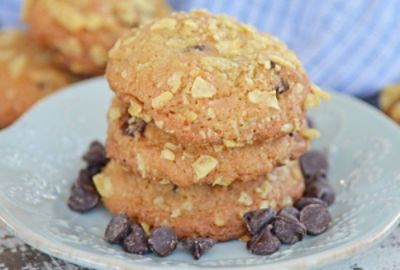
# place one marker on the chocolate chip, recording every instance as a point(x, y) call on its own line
point(200, 47)
point(313, 162)
point(163, 241)
point(264, 242)
point(321, 175)
point(321, 189)
point(118, 228)
point(303, 202)
point(288, 229)
point(256, 220)
point(133, 126)
point(85, 181)
point(136, 241)
point(273, 65)
point(198, 246)
point(96, 156)
point(289, 211)
point(282, 87)
point(316, 218)
point(93, 170)
point(81, 200)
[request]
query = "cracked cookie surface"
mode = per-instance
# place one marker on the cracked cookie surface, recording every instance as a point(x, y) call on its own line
point(207, 78)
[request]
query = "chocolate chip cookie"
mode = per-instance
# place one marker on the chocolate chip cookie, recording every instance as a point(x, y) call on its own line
point(82, 31)
point(27, 74)
point(208, 78)
point(199, 210)
point(154, 154)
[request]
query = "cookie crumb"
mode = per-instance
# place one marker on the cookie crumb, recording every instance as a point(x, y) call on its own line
point(134, 108)
point(17, 65)
point(211, 113)
point(171, 146)
point(264, 189)
point(190, 116)
point(279, 60)
point(176, 213)
point(165, 182)
point(146, 227)
point(161, 100)
point(114, 113)
point(142, 166)
point(204, 165)
point(188, 206)
point(245, 199)
point(311, 101)
point(218, 221)
point(202, 89)
point(167, 154)
point(310, 133)
point(159, 124)
point(164, 24)
point(267, 98)
point(287, 128)
point(232, 144)
point(159, 201)
point(320, 93)
point(223, 181)
point(218, 147)
point(104, 185)
point(174, 82)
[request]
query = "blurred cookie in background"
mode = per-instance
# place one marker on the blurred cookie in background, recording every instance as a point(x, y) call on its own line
point(82, 31)
point(389, 101)
point(27, 74)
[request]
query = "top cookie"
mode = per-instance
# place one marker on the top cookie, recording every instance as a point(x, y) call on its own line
point(82, 31)
point(207, 79)
point(27, 74)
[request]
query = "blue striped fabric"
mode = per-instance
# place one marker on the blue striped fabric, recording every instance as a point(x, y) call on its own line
point(351, 46)
point(9, 12)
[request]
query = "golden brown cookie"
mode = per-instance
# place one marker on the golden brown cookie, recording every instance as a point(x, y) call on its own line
point(159, 156)
point(27, 74)
point(82, 31)
point(199, 210)
point(389, 101)
point(207, 78)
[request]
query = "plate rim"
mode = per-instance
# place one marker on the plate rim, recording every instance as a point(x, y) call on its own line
point(88, 259)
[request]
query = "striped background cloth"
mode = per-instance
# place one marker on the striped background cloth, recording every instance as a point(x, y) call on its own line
point(352, 46)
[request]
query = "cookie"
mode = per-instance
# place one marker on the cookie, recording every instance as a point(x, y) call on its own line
point(146, 150)
point(27, 74)
point(208, 78)
point(82, 31)
point(389, 102)
point(199, 210)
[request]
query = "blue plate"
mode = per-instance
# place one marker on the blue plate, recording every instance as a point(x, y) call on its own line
point(41, 154)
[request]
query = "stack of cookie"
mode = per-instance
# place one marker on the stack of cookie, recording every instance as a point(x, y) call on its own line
point(207, 123)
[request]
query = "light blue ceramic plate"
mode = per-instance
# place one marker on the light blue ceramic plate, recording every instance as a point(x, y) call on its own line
point(40, 158)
